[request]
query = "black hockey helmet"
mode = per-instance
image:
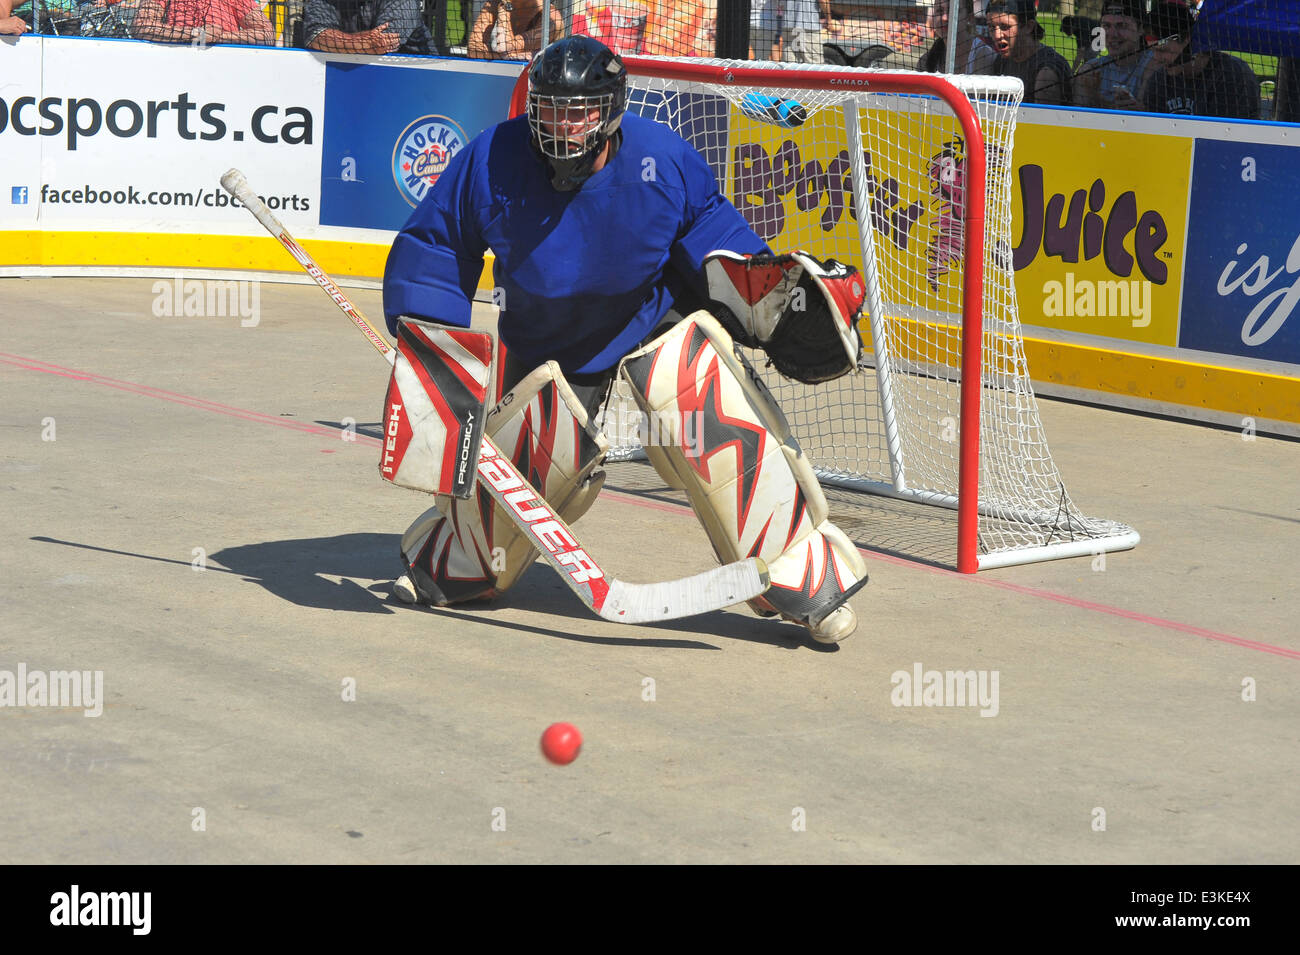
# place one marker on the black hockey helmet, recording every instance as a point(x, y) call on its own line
point(567, 83)
point(1022, 10)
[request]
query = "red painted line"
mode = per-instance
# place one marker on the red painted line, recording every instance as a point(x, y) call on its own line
point(1090, 605)
point(243, 414)
point(647, 503)
point(188, 401)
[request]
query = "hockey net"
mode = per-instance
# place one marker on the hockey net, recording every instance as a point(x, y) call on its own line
point(908, 177)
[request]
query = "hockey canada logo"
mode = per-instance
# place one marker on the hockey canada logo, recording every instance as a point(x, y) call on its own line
point(422, 153)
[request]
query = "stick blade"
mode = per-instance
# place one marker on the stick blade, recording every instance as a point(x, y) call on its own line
point(702, 593)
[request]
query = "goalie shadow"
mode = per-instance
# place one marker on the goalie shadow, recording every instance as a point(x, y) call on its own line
point(297, 569)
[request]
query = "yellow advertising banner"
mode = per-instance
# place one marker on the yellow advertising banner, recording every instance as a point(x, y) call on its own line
point(1098, 224)
point(794, 185)
point(1096, 235)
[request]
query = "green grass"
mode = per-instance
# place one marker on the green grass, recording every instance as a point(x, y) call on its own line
point(455, 23)
point(1265, 67)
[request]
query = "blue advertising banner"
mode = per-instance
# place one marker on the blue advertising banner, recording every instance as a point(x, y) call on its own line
point(390, 132)
point(1242, 284)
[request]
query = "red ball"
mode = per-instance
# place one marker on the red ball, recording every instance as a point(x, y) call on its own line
point(561, 743)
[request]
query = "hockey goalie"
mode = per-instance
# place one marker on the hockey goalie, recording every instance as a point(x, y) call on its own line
point(616, 257)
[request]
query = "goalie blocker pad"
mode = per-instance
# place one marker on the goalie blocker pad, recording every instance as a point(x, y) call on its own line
point(468, 549)
point(436, 407)
point(727, 443)
point(801, 312)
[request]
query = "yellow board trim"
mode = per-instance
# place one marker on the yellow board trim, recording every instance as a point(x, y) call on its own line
point(1211, 387)
point(192, 251)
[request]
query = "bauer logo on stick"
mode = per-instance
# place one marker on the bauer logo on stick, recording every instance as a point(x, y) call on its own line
point(422, 153)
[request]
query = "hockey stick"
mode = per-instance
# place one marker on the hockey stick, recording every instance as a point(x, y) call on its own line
point(235, 184)
point(609, 598)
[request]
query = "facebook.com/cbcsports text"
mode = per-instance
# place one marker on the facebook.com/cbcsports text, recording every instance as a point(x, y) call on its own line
point(90, 194)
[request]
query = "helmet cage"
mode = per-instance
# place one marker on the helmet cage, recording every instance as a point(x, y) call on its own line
point(571, 127)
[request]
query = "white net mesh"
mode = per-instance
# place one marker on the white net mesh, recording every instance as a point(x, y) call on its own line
point(784, 158)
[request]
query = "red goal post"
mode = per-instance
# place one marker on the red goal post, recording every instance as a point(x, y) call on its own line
point(927, 339)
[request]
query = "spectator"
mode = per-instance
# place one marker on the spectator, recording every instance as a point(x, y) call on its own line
point(762, 29)
point(1204, 83)
point(365, 26)
point(507, 30)
point(209, 21)
point(619, 24)
point(52, 17)
point(1085, 31)
point(1119, 79)
point(108, 17)
point(801, 29)
point(10, 25)
point(682, 28)
point(974, 54)
point(1015, 31)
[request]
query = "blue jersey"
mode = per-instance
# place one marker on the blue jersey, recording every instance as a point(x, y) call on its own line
point(582, 277)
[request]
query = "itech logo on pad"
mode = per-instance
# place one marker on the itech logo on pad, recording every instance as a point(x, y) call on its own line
point(422, 153)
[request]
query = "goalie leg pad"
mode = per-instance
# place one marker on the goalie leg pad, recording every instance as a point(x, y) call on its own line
point(448, 555)
point(546, 431)
point(435, 407)
point(743, 472)
point(470, 549)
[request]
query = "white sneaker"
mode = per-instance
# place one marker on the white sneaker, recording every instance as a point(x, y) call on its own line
point(404, 590)
point(836, 626)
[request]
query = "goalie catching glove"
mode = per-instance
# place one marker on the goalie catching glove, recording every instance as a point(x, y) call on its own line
point(801, 312)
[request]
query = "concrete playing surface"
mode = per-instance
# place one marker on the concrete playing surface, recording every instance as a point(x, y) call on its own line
point(225, 736)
